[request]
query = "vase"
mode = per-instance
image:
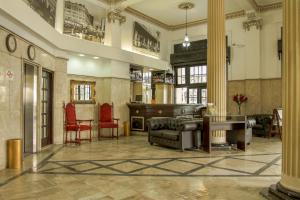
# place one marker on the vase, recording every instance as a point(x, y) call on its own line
point(239, 109)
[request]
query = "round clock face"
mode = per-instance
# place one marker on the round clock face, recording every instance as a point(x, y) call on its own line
point(31, 52)
point(11, 43)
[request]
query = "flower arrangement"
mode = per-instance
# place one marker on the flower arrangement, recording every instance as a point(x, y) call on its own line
point(239, 99)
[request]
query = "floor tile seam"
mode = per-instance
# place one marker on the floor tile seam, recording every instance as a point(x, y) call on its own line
point(160, 175)
point(261, 162)
point(268, 165)
point(149, 166)
point(205, 165)
point(188, 157)
point(31, 169)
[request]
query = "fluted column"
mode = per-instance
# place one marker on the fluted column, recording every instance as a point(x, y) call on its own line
point(216, 60)
point(291, 96)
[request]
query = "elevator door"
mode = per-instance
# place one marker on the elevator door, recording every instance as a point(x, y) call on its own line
point(30, 108)
point(46, 108)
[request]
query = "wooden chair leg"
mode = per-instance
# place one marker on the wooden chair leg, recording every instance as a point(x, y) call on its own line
point(112, 133)
point(90, 135)
point(79, 139)
point(66, 137)
point(99, 133)
point(117, 133)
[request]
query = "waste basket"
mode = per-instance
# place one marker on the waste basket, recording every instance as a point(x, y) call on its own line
point(14, 154)
point(126, 128)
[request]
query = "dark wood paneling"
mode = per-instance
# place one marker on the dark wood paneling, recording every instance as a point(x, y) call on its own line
point(163, 110)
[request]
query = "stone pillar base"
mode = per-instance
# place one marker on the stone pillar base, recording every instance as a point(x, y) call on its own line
point(278, 192)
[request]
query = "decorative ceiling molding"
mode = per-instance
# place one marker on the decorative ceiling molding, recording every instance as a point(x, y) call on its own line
point(263, 8)
point(272, 6)
point(154, 21)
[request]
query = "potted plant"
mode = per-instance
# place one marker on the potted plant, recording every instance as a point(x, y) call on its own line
point(239, 99)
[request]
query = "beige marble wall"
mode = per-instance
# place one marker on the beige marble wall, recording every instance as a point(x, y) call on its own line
point(107, 90)
point(263, 95)
point(11, 91)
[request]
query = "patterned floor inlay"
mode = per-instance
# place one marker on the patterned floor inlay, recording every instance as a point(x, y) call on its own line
point(256, 165)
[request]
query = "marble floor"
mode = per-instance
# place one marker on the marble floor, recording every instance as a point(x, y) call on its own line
point(131, 169)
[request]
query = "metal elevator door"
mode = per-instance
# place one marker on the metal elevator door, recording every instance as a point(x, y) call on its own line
point(30, 108)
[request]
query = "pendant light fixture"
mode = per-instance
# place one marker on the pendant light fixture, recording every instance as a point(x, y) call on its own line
point(186, 6)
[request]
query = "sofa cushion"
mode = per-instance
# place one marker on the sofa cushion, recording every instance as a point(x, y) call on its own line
point(159, 123)
point(172, 124)
point(167, 134)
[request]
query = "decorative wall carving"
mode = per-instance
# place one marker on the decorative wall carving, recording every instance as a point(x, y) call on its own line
point(253, 20)
point(115, 15)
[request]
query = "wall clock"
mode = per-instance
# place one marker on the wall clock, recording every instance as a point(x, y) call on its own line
point(31, 52)
point(11, 43)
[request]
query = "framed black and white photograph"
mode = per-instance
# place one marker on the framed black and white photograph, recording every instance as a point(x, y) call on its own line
point(45, 8)
point(84, 20)
point(145, 38)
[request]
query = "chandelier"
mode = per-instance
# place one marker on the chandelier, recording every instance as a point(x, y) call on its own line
point(186, 6)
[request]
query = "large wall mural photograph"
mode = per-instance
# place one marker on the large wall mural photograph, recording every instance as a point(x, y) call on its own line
point(145, 38)
point(84, 21)
point(45, 8)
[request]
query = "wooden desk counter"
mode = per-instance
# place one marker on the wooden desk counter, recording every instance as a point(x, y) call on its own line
point(140, 113)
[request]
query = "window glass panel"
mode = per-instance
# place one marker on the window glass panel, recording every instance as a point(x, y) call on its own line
point(180, 76)
point(204, 96)
point(181, 95)
point(198, 74)
point(193, 96)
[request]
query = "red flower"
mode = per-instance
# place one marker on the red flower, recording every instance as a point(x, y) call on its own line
point(239, 99)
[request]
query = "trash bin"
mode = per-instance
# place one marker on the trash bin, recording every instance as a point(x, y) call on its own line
point(14, 154)
point(126, 128)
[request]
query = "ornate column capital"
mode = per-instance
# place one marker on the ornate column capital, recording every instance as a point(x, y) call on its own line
point(252, 20)
point(115, 15)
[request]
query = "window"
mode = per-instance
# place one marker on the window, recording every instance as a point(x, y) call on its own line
point(181, 76)
point(194, 80)
point(193, 96)
point(203, 96)
point(198, 74)
point(83, 92)
point(181, 95)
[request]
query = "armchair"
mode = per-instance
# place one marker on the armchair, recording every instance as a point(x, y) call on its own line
point(263, 124)
point(107, 120)
point(72, 124)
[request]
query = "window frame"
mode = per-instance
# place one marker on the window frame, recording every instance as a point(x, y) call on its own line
point(91, 84)
point(188, 85)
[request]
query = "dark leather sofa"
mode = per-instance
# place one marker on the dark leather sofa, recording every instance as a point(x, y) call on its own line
point(263, 124)
point(172, 132)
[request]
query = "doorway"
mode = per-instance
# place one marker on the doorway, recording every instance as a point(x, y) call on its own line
point(30, 108)
point(46, 113)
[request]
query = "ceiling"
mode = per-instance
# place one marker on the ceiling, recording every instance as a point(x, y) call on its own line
point(167, 11)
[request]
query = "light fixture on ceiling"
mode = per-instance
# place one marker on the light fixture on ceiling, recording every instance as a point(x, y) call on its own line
point(81, 55)
point(186, 6)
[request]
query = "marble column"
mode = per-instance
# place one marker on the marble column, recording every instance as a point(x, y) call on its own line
point(289, 186)
point(216, 60)
point(291, 97)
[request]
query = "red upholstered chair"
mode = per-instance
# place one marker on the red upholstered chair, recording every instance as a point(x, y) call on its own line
point(74, 125)
point(107, 120)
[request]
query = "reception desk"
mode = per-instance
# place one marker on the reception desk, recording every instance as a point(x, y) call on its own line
point(140, 113)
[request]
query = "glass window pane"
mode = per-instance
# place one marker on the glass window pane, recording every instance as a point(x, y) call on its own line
point(181, 95)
